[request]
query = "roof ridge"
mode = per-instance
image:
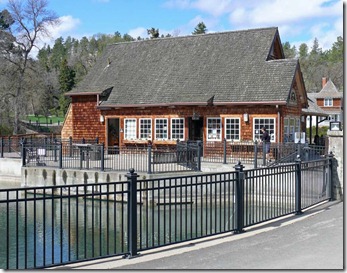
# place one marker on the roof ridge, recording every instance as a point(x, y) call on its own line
point(196, 35)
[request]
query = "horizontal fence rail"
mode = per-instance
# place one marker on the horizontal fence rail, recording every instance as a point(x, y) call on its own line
point(46, 226)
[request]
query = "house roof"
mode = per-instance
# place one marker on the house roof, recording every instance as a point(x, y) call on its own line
point(329, 90)
point(231, 67)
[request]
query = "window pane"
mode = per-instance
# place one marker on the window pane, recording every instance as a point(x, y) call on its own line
point(130, 129)
point(232, 128)
point(177, 128)
point(268, 123)
point(214, 129)
point(161, 128)
point(145, 128)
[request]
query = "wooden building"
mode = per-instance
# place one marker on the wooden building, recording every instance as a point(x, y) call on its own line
point(201, 87)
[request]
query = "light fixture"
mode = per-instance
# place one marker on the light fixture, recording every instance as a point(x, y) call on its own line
point(102, 118)
point(245, 117)
point(335, 126)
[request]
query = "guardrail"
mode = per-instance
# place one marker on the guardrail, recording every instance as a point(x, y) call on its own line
point(187, 155)
point(47, 226)
point(149, 159)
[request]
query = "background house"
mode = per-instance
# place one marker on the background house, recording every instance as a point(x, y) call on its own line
point(330, 101)
point(202, 87)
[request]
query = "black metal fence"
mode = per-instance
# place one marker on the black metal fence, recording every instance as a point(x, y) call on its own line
point(184, 156)
point(46, 226)
point(69, 155)
point(253, 152)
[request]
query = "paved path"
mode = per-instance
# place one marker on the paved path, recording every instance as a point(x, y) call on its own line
point(313, 240)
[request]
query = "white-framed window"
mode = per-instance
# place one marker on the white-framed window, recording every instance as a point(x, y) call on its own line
point(232, 129)
point(130, 128)
point(214, 129)
point(161, 130)
point(268, 123)
point(145, 128)
point(177, 128)
point(291, 125)
point(328, 102)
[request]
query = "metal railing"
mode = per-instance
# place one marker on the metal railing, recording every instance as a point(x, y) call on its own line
point(87, 156)
point(184, 156)
point(46, 226)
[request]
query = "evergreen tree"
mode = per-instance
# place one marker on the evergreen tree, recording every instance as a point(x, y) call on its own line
point(289, 52)
point(66, 83)
point(303, 51)
point(153, 32)
point(336, 52)
point(59, 53)
point(200, 29)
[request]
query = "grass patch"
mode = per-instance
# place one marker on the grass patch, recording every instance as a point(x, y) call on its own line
point(43, 119)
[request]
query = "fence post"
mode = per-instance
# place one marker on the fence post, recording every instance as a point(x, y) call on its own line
point(264, 153)
point(199, 156)
point(149, 167)
point(102, 153)
point(2, 147)
point(60, 155)
point(330, 184)
point(55, 150)
point(45, 143)
point(132, 214)
point(81, 159)
point(187, 154)
point(240, 177)
point(298, 186)
point(23, 152)
point(306, 149)
point(224, 151)
point(9, 144)
point(70, 145)
point(255, 154)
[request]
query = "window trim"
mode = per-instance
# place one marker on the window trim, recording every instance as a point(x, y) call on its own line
point(328, 102)
point(125, 128)
point(225, 128)
point(151, 130)
point(155, 128)
point(171, 128)
point(220, 129)
point(274, 130)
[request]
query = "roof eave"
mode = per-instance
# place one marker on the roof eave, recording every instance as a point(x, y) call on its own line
point(108, 106)
point(82, 94)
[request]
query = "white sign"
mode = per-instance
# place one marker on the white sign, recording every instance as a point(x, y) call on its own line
point(299, 137)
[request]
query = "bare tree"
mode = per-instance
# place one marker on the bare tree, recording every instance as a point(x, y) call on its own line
point(30, 21)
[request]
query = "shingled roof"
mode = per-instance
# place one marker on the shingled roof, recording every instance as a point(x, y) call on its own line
point(329, 90)
point(236, 67)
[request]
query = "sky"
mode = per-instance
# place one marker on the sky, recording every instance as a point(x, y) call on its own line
point(298, 21)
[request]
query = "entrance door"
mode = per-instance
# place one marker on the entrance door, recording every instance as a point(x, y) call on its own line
point(196, 128)
point(113, 132)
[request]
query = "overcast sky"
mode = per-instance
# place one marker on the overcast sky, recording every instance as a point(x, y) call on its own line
point(299, 21)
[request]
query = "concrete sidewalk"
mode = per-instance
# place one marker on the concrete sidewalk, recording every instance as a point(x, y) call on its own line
point(313, 240)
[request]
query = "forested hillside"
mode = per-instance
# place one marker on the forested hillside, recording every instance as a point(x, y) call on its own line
point(36, 84)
